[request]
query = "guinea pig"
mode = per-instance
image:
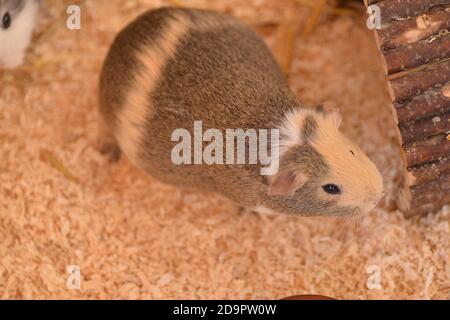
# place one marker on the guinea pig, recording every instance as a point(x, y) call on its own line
point(173, 67)
point(17, 20)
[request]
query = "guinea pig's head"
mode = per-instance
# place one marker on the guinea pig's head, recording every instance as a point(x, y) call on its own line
point(321, 172)
point(17, 19)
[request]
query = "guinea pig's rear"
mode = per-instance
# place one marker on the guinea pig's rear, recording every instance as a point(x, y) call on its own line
point(137, 63)
point(132, 68)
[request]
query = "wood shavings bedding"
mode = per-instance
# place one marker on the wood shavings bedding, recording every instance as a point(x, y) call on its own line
point(133, 237)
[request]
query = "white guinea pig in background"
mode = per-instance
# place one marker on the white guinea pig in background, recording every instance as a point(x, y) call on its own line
point(17, 20)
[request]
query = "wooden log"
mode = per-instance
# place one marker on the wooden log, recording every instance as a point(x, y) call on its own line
point(418, 82)
point(425, 208)
point(415, 45)
point(431, 196)
point(417, 130)
point(431, 171)
point(416, 54)
point(414, 29)
point(401, 9)
point(429, 103)
point(429, 150)
point(371, 2)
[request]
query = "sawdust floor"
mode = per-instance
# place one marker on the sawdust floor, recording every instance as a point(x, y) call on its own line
point(62, 203)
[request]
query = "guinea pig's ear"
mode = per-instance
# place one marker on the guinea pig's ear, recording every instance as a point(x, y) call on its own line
point(285, 183)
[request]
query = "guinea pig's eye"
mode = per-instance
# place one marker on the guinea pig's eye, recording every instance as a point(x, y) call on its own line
point(331, 189)
point(6, 21)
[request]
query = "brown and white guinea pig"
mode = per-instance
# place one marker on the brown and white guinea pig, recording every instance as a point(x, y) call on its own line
point(171, 67)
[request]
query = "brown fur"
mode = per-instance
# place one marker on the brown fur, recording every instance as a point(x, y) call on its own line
point(193, 65)
point(309, 127)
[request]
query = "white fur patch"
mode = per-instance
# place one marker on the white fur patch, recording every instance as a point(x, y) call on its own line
point(15, 40)
point(291, 129)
